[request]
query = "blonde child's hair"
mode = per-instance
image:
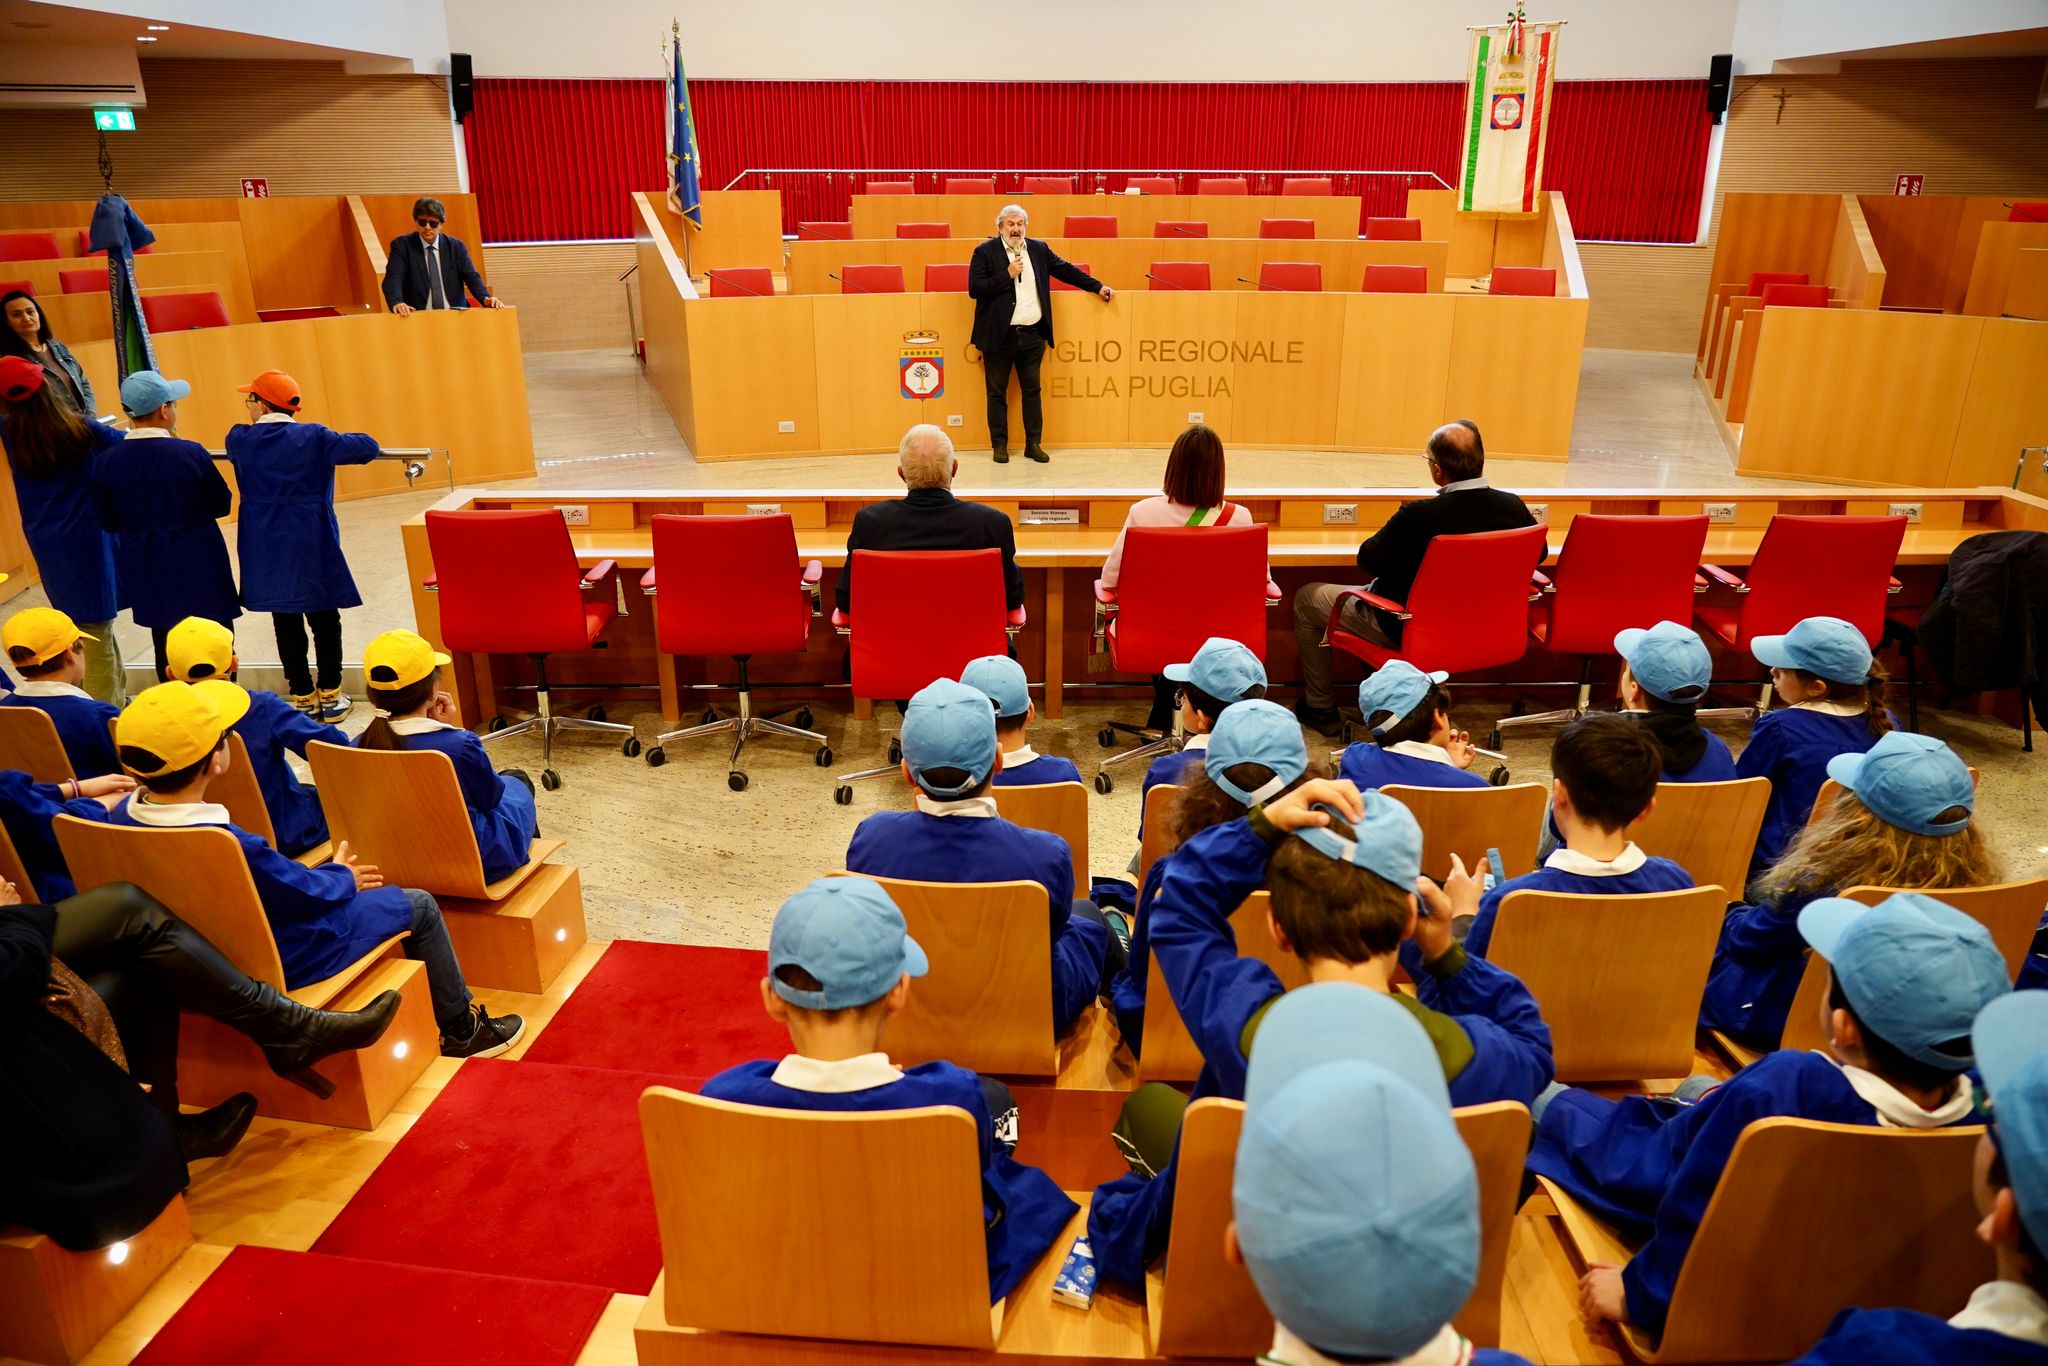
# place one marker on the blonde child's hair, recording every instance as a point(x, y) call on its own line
point(1853, 846)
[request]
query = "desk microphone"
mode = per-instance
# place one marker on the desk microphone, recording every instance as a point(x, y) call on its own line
point(1161, 280)
point(714, 277)
point(1185, 232)
point(1261, 284)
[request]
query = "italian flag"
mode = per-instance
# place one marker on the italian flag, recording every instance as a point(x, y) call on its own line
point(1507, 117)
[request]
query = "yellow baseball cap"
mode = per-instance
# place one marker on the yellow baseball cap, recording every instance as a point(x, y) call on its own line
point(44, 630)
point(399, 659)
point(197, 644)
point(179, 723)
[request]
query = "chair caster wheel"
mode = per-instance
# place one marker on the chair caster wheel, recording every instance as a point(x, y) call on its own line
point(804, 718)
point(895, 751)
point(736, 780)
point(1106, 738)
point(843, 795)
point(1499, 776)
point(1103, 782)
point(710, 715)
point(596, 713)
point(1493, 738)
point(631, 749)
point(496, 723)
point(823, 758)
point(656, 757)
point(550, 779)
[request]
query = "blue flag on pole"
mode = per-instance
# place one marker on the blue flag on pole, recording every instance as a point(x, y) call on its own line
point(685, 196)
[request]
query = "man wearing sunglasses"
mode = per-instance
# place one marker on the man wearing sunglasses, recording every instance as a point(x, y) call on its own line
point(429, 269)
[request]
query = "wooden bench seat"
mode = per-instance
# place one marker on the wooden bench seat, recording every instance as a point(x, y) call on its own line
point(56, 1304)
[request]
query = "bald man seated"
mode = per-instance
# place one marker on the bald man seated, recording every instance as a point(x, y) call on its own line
point(929, 517)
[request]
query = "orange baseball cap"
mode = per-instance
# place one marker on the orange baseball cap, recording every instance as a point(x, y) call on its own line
point(274, 387)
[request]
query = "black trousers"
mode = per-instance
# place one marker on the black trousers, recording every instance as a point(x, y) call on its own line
point(1022, 349)
point(291, 648)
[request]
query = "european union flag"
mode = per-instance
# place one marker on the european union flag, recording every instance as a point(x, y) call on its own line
point(684, 196)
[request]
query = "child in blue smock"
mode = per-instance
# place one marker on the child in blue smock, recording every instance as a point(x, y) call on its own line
point(950, 758)
point(1413, 743)
point(1344, 871)
point(1222, 672)
point(2005, 1322)
point(48, 650)
point(1907, 978)
point(1604, 770)
point(1903, 820)
point(1666, 670)
point(199, 649)
point(1354, 1202)
point(839, 965)
point(1833, 692)
point(1002, 678)
point(290, 542)
point(29, 808)
point(403, 677)
point(173, 740)
point(164, 500)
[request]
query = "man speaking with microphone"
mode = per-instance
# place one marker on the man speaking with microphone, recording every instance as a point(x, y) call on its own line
point(1010, 277)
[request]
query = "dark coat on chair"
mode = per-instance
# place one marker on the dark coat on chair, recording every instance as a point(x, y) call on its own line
point(1987, 628)
point(405, 272)
point(932, 519)
point(995, 293)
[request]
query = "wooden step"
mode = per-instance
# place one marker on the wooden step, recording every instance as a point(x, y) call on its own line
point(521, 942)
point(54, 1304)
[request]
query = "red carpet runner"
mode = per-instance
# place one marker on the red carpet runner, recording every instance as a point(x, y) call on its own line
point(685, 1011)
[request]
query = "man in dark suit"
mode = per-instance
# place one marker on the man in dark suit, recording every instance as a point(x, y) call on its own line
point(930, 517)
point(1390, 558)
point(429, 269)
point(1010, 277)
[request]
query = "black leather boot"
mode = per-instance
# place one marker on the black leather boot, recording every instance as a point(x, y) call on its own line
point(212, 1133)
point(304, 1036)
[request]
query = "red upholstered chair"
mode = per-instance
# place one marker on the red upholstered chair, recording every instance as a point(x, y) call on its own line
point(1305, 184)
point(1287, 227)
point(1393, 229)
point(946, 277)
point(825, 231)
point(1178, 275)
point(1795, 296)
point(1146, 622)
point(83, 281)
point(28, 246)
point(183, 312)
point(85, 245)
point(509, 585)
point(891, 187)
point(1180, 227)
point(1221, 184)
point(870, 279)
point(1059, 284)
point(1304, 277)
point(1613, 574)
point(924, 229)
point(970, 184)
point(1396, 280)
point(1089, 225)
point(1152, 184)
point(741, 591)
point(2028, 211)
point(742, 282)
point(1539, 281)
point(1467, 609)
point(1048, 184)
point(1761, 278)
point(921, 615)
point(27, 287)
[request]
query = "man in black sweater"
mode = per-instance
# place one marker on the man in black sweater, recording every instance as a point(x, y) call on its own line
point(930, 517)
point(1390, 558)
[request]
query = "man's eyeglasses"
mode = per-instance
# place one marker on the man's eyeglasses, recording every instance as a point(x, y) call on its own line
point(426, 222)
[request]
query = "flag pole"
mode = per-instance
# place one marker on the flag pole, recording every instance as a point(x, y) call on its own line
point(676, 97)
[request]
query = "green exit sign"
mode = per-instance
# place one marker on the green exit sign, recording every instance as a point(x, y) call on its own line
point(114, 120)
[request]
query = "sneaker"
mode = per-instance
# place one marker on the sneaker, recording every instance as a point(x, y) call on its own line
point(1119, 926)
point(488, 1035)
point(1322, 720)
point(334, 705)
point(307, 703)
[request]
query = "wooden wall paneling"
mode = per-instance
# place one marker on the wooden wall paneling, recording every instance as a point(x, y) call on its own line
point(1978, 209)
point(1167, 365)
point(391, 214)
point(858, 339)
point(1288, 360)
point(741, 228)
point(568, 294)
point(812, 264)
point(1392, 392)
point(298, 249)
point(1916, 237)
point(1471, 236)
point(365, 255)
point(1561, 247)
point(2027, 294)
point(966, 388)
point(664, 291)
point(1084, 376)
point(1773, 232)
point(973, 216)
point(1645, 298)
point(1514, 370)
point(1991, 271)
point(2006, 407)
point(754, 363)
point(1856, 272)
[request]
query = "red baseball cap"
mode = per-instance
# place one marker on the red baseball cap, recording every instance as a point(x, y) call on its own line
point(274, 387)
point(19, 378)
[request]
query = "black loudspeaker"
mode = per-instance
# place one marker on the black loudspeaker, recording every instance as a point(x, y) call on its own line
point(462, 85)
point(1720, 75)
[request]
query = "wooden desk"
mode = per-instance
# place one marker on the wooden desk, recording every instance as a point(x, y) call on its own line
point(76, 318)
point(974, 215)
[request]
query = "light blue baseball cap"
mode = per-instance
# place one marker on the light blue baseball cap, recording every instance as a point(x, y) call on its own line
point(1223, 669)
point(1916, 971)
point(1002, 678)
point(1669, 661)
point(145, 391)
point(950, 725)
point(1388, 841)
point(1256, 732)
point(1355, 1198)
point(846, 933)
point(1908, 780)
point(2011, 1039)
point(1397, 688)
point(1827, 647)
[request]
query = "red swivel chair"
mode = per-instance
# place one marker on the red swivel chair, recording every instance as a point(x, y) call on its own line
point(921, 615)
point(870, 279)
point(1089, 225)
point(1794, 296)
point(1303, 277)
point(82, 281)
point(1305, 184)
point(891, 187)
point(1393, 229)
point(742, 282)
point(1180, 227)
point(27, 287)
point(1152, 184)
point(825, 231)
point(1759, 279)
point(1145, 620)
point(85, 245)
point(1467, 609)
point(1185, 275)
point(1221, 184)
point(509, 585)
point(970, 184)
point(1613, 574)
point(1396, 280)
point(946, 277)
point(737, 598)
point(924, 229)
point(1287, 227)
point(1537, 281)
point(28, 246)
point(1059, 284)
point(183, 312)
point(1048, 184)
point(1806, 567)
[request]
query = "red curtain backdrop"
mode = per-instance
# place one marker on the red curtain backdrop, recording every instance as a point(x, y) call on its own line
point(557, 160)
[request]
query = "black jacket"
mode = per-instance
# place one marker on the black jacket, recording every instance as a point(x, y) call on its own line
point(932, 519)
point(995, 293)
point(1987, 628)
point(405, 272)
point(1391, 556)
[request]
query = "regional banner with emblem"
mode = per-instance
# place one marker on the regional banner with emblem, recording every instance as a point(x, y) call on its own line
point(1507, 116)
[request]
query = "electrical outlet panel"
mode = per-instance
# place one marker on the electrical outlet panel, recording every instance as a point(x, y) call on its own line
point(1540, 511)
point(785, 426)
point(764, 509)
point(954, 419)
point(1195, 417)
point(1909, 511)
point(575, 514)
point(1340, 513)
point(1719, 512)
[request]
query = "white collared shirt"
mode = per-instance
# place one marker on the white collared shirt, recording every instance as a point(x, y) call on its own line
point(172, 815)
point(2008, 1308)
point(863, 1073)
point(1585, 865)
point(1897, 1110)
point(1026, 312)
point(1197, 741)
point(274, 417)
point(1460, 485)
point(1422, 749)
point(1445, 1349)
point(1827, 708)
point(48, 687)
point(415, 725)
point(983, 806)
point(135, 432)
point(1023, 754)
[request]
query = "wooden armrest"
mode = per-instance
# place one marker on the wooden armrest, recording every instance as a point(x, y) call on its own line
point(1723, 577)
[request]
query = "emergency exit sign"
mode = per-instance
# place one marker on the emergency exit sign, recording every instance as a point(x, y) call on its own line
point(114, 120)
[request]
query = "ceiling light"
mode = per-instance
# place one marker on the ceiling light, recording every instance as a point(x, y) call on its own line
point(159, 28)
point(144, 38)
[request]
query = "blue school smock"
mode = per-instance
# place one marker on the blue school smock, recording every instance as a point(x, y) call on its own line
point(1650, 1166)
point(81, 723)
point(65, 524)
point(1033, 1210)
point(164, 499)
point(1717, 765)
point(1791, 747)
point(1758, 962)
point(1903, 1337)
point(290, 542)
point(1219, 993)
point(501, 809)
point(1372, 767)
point(917, 846)
point(1175, 770)
point(1127, 989)
point(28, 810)
point(1045, 768)
point(320, 921)
point(269, 728)
point(1656, 875)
